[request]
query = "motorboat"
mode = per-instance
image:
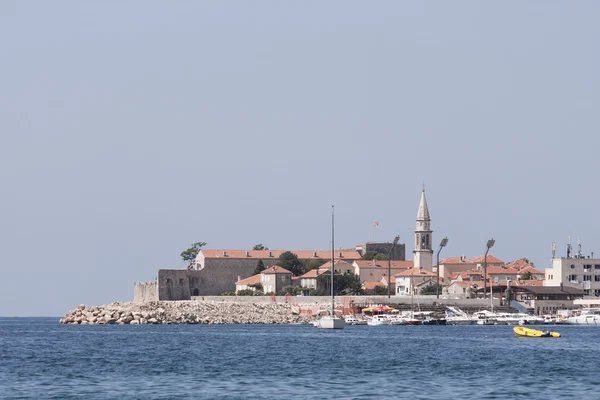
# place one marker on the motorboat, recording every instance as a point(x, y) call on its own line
point(428, 318)
point(508, 319)
point(352, 320)
point(587, 316)
point(378, 320)
point(394, 319)
point(528, 332)
point(485, 317)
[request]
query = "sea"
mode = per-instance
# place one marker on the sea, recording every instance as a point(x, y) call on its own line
point(41, 359)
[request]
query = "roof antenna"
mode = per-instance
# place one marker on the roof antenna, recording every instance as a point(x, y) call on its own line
point(553, 249)
point(569, 247)
point(579, 248)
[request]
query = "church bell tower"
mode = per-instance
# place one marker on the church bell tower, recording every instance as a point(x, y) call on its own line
point(423, 254)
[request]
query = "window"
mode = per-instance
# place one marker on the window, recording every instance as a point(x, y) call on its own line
point(587, 277)
point(572, 278)
point(596, 278)
point(282, 278)
point(597, 292)
point(597, 266)
point(587, 268)
point(586, 292)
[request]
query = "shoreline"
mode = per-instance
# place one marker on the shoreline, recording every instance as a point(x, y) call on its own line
point(184, 312)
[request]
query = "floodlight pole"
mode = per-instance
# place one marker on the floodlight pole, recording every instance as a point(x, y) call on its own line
point(443, 244)
point(390, 264)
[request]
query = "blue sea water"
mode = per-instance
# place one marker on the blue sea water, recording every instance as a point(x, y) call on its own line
point(41, 359)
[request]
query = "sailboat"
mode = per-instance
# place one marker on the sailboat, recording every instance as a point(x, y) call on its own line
point(331, 321)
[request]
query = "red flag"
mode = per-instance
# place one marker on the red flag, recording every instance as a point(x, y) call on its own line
point(376, 223)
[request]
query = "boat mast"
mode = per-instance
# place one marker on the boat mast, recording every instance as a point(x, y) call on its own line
point(332, 258)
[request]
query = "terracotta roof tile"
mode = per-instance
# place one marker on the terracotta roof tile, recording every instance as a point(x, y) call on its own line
point(529, 268)
point(501, 271)
point(249, 281)
point(275, 270)
point(370, 285)
point(420, 273)
point(490, 260)
point(313, 273)
point(383, 264)
point(266, 254)
point(456, 260)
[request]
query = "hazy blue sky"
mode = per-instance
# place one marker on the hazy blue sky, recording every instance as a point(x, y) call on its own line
point(131, 129)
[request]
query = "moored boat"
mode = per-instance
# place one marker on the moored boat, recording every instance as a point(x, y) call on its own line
point(588, 316)
point(528, 332)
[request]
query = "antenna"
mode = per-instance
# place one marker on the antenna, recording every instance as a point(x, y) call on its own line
point(578, 248)
point(569, 247)
point(553, 249)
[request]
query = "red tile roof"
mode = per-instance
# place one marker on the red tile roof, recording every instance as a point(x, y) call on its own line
point(529, 268)
point(518, 264)
point(313, 273)
point(456, 260)
point(249, 281)
point(276, 270)
point(370, 285)
point(418, 272)
point(265, 254)
point(393, 279)
point(501, 271)
point(383, 264)
point(490, 260)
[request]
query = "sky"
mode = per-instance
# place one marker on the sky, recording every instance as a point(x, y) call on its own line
point(130, 130)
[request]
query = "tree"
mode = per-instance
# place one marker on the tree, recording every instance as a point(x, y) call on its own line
point(259, 247)
point(380, 290)
point(313, 264)
point(348, 284)
point(190, 254)
point(527, 276)
point(260, 267)
point(373, 255)
point(431, 288)
point(290, 261)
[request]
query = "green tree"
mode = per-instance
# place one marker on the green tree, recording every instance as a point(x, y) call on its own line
point(527, 276)
point(380, 290)
point(431, 288)
point(259, 247)
point(190, 254)
point(313, 264)
point(348, 284)
point(290, 261)
point(373, 255)
point(260, 267)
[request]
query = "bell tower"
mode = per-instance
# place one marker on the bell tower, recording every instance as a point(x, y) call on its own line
point(423, 254)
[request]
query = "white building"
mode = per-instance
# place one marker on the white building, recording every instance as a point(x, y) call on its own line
point(423, 253)
point(578, 272)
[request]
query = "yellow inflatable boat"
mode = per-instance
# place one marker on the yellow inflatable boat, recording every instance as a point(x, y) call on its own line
point(528, 332)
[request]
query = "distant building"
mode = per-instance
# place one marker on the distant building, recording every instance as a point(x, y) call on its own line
point(423, 253)
point(579, 272)
point(272, 280)
point(409, 281)
point(374, 270)
point(398, 253)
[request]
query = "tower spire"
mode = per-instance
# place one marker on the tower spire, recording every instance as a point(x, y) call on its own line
point(423, 213)
point(423, 253)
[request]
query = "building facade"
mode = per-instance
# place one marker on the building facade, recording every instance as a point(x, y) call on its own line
point(423, 252)
point(579, 272)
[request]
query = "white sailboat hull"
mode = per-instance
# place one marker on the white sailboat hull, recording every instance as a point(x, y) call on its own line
point(329, 322)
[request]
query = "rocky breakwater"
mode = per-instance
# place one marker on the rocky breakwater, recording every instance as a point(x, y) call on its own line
point(184, 312)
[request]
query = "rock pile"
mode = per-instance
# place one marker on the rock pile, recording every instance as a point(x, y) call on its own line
point(184, 312)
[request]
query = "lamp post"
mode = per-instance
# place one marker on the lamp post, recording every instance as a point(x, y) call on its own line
point(390, 263)
point(489, 244)
point(443, 243)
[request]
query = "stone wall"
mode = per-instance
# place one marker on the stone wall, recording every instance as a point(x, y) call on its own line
point(144, 292)
point(245, 264)
point(399, 253)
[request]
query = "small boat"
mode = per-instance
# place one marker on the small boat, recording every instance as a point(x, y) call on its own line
point(352, 320)
point(378, 320)
point(528, 332)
